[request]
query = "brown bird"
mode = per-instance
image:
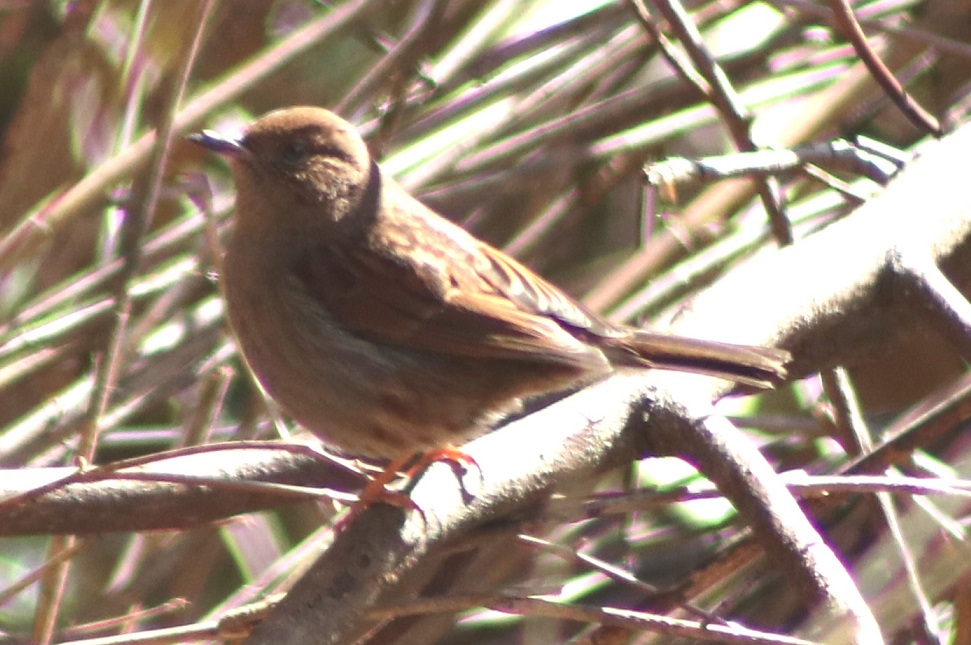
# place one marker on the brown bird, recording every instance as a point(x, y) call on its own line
point(387, 330)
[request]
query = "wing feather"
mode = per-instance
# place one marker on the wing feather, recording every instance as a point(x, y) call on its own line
point(452, 310)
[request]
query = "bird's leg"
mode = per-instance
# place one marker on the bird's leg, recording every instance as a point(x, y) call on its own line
point(458, 460)
point(376, 491)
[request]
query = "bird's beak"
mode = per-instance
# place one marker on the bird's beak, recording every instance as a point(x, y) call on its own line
point(217, 143)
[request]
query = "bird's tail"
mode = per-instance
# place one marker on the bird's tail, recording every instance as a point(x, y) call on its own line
point(758, 367)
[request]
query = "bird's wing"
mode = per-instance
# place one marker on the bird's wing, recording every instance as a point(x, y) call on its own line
point(461, 300)
point(535, 295)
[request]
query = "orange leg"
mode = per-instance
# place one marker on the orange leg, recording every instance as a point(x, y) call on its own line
point(448, 454)
point(376, 491)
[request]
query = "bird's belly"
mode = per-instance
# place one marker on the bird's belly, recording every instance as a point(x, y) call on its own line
point(371, 399)
point(363, 398)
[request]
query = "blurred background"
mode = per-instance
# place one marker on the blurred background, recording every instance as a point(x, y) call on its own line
point(530, 124)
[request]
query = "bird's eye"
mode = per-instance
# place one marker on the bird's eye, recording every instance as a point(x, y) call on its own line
point(293, 152)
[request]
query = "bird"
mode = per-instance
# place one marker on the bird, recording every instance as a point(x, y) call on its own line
point(386, 329)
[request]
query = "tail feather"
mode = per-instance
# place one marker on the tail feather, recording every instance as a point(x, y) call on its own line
point(759, 367)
